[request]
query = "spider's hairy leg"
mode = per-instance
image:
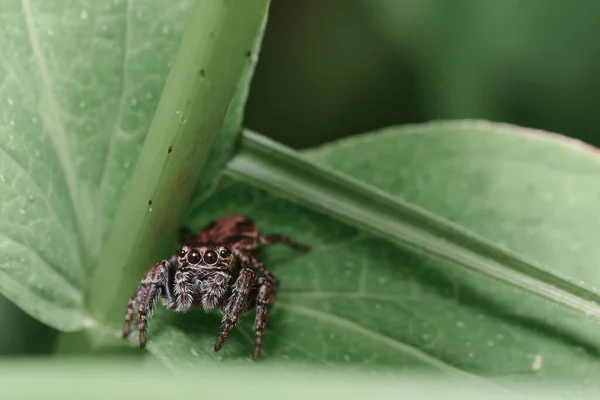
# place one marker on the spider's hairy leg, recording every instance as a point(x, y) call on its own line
point(264, 301)
point(276, 238)
point(134, 301)
point(248, 260)
point(236, 305)
point(154, 283)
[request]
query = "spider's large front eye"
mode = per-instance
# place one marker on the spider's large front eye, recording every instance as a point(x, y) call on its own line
point(193, 257)
point(182, 253)
point(210, 257)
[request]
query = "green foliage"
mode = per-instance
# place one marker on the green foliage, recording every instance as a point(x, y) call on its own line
point(106, 135)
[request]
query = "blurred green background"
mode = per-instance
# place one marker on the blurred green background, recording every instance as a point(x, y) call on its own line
point(333, 68)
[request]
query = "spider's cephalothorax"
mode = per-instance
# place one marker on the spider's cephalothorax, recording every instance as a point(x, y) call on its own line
point(216, 269)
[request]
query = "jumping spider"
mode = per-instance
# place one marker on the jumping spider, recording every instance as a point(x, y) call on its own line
point(215, 269)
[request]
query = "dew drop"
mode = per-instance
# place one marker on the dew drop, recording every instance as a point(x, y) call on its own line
point(194, 353)
point(150, 209)
point(490, 343)
point(9, 101)
point(21, 211)
point(11, 122)
point(347, 357)
point(84, 14)
point(471, 355)
point(460, 324)
point(82, 104)
point(30, 197)
point(2, 179)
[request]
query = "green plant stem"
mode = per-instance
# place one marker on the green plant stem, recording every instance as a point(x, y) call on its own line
point(215, 49)
point(284, 172)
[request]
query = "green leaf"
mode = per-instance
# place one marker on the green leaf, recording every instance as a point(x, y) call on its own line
point(363, 302)
point(76, 101)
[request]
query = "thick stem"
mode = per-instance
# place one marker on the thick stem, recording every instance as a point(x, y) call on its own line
point(215, 50)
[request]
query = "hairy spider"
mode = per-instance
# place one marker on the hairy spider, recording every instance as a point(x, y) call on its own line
point(215, 269)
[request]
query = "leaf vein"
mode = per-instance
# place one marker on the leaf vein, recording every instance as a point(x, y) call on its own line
point(121, 102)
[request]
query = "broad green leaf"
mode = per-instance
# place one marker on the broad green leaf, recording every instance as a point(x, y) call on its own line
point(79, 82)
point(363, 302)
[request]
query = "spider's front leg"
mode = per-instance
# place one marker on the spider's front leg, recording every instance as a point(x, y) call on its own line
point(154, 283)
point(236, 305)
point(264, 302)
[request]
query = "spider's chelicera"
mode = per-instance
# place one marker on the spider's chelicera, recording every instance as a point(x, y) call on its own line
point(215, 269)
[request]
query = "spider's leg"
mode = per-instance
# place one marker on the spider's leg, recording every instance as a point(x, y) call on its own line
point(146, 309)
point(275, 238)
point(134, 302)
point(153, 284)
point(264, 301)
point(236, 305)
point(248, 260)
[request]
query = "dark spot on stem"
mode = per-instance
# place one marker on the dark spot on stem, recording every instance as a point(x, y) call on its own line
point(202, 73)
point(170, 149)
point(149, 202)
point(248, 54)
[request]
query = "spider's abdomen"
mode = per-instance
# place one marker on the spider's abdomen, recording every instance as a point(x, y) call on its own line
point(230, 229)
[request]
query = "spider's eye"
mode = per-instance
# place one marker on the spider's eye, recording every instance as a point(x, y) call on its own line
point(182, 253)
point(210, 257)
point(193, 257)
point(224, 253)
